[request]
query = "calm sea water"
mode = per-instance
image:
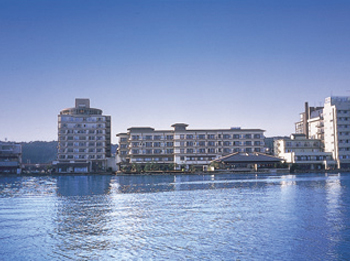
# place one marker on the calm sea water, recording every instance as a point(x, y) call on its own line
point(204, 217)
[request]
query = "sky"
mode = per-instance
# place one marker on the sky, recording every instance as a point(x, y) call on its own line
point(208, 63)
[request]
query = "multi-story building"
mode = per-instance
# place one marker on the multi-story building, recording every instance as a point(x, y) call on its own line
point(270, 144)
point(184, 147)
point(84, 139)
point(10, 157)
point(308, 153)
point(316, 125)
point(336, 116)
point(309, 116)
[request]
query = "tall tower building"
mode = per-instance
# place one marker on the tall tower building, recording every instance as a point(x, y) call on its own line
point(84, 139)
point(336, 114)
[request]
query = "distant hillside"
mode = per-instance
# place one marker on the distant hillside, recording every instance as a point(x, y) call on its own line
point(43, 151)
point(39, 151)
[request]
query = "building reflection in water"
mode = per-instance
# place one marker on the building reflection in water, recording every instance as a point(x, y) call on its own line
point(83, 213)
point(83, 185)
point(164, 183)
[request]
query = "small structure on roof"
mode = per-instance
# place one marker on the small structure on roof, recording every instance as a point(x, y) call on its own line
point(256, 161)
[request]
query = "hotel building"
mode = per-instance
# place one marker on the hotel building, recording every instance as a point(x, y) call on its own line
point(10, 157)
point(84, 139)
point(185, 147)
point(310, 122)
point(308, 153)
point(336, 114)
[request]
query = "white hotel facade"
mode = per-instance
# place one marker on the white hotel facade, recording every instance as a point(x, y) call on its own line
point(336, 120)
point(184, 147)
point(84, 139)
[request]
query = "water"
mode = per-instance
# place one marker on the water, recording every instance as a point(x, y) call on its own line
point(204, 217)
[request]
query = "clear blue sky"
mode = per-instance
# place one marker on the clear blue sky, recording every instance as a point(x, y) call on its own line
point(211, 64)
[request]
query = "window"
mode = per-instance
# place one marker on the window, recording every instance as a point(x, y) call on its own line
point(211, 150)
point(182, 136)
point(211, 143)
point(227, 143)
point(189, 143)
point(227, 136)
point(236, 136)
point(189, 151)
point(148, 144)
point(157, 151)
point(170, 144)
point(211, 136)
point(157, 137)
point(201, 136)
point(248, 136)
point(248, 143)
point(135, 137)
point(169, 137)
point(201, 143)
point(226, 150)
point(148, 137)
point(189, 136)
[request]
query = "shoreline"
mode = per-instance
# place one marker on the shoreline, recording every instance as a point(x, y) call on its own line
point(174, 173)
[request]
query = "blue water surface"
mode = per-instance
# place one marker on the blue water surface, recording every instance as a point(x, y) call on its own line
point(181, 217)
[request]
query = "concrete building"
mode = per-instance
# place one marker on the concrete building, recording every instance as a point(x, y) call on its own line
point(10, 157)
point(316, 125)
point(307, 153)
point(302, 126)
point(185, 147)
point(84, 139)
point(336, 114)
